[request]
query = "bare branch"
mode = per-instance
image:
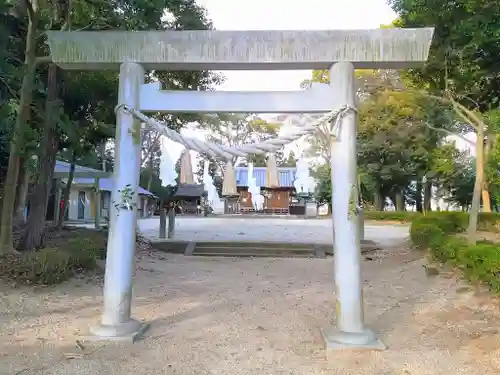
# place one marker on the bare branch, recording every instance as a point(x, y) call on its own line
point(12, 92)
point(450, 133)
point(43, 60)
point(469, 99)
point(477, 121)
point(467, 115)
point(30, 8)
point(85, 27)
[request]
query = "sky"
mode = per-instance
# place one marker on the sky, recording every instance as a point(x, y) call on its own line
point(285, 15)
point(290, 15)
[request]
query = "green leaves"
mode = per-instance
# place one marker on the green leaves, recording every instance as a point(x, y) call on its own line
point(323, 192)
point(463, 53)
point(394, 145)
point(236, 129)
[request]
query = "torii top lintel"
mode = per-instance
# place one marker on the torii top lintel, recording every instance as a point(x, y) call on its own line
point(240, 50)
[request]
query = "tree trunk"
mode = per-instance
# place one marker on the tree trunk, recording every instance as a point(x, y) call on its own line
point(399, 201)
point(16, 144)
point(478, 187)
point(485, 193)
point(66, 193)
point(378, 199)
point(22, 195)
point(418, 196)
point(427, 195)
point(150, 171)
point(20, 179)
point(34, 233)
point(103, 156)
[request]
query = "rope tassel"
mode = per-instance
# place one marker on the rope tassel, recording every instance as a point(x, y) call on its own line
point(272, 171)
point(186, 175)
point(229, 183)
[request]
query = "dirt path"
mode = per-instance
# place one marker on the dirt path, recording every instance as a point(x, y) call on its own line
point(255, 316)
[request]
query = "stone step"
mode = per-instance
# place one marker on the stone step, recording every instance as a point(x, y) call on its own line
point(251, 248)
point(254, 255)
point(259, 245)
point(254, 251)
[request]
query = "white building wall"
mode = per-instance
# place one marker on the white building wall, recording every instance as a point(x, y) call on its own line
point(105, 204)
point(73, 203)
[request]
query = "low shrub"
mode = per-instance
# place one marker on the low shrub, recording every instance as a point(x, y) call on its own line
point(488, 221)
point(482, 263)
point(436, 232)
point(423, 235)
point(84, 253)
point(47, 266)
point(52, 265)
point(401, 216)
point(448, 222)
point(449, 250)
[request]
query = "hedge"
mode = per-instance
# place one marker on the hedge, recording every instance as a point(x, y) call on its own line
point(487, 221)
point(437, 233)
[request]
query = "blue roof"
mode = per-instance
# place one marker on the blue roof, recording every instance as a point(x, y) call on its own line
point(105, 184)
point(62, 166)
point(286, 176)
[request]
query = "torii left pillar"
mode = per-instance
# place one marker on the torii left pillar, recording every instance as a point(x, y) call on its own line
point(116, 322)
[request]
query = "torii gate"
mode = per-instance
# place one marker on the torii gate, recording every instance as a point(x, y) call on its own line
point(340, 51)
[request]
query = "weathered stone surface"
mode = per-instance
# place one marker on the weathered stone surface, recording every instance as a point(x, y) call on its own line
point(239, 50)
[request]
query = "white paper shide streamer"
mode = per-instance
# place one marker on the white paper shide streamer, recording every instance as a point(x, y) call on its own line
point(168, 175)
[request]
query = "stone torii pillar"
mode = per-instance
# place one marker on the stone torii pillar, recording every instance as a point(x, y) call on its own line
point(341, 51)
point(350, 330)
point(116, 323)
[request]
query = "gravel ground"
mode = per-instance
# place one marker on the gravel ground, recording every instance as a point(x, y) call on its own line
point(230, 316)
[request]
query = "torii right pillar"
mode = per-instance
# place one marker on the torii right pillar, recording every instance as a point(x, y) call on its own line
point(350, 331)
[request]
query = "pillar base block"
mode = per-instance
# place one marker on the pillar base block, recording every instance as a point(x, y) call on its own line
point(336, 340)
point(127, 332)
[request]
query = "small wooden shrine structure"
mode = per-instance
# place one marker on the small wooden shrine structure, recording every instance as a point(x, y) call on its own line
point(189, 199)
point(277, 198)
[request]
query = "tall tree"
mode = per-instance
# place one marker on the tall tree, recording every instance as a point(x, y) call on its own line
point(31, 11)
point(368, 82)
point(151, 153)
point(394, 143)
point(234, 130)
point(323, 191)
point(462, 68)
point(40, 16)
point(291, 160)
